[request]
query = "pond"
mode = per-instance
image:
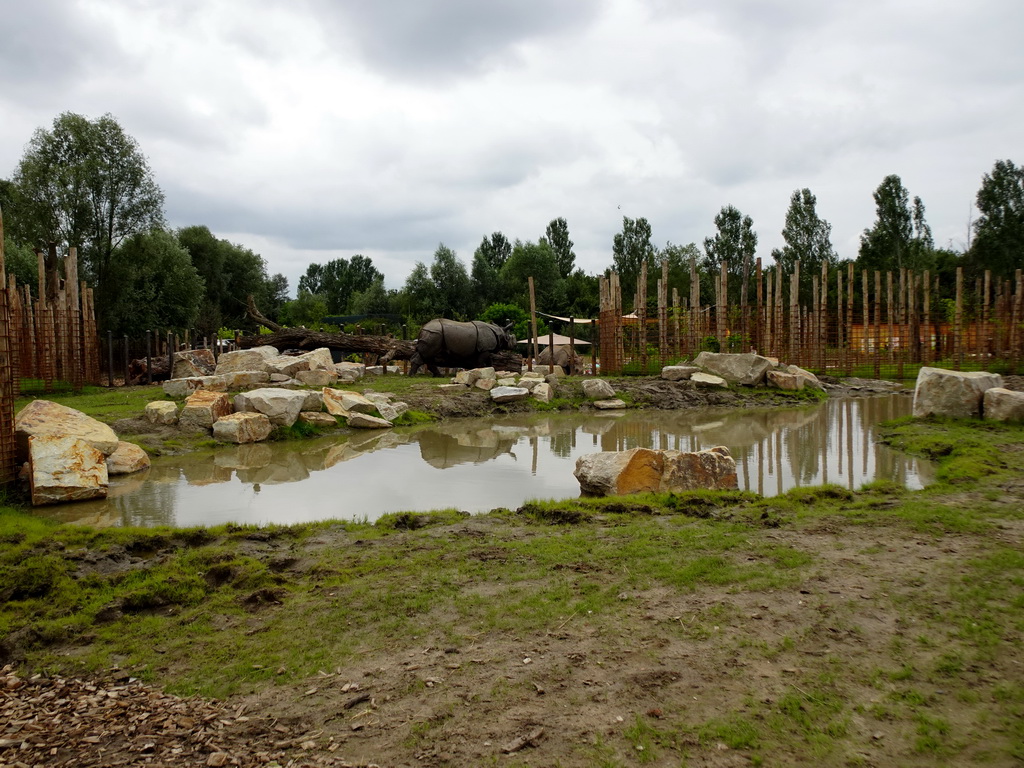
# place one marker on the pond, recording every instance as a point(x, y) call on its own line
point(479, 464)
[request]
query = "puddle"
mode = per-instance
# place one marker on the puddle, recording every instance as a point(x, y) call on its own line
point(476, 464)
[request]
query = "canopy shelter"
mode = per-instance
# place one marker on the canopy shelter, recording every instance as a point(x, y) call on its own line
point(542, 341)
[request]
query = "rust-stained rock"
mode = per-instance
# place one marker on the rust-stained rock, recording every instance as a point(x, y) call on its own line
point(640, 470)
point(342, 402)
point(242, 428)
point(613, 473)
point(790, 382)
point(128, 458)
point(42, 418)
point(203, 408)
point(193, 362)
point(711, 469)
point(65, 469)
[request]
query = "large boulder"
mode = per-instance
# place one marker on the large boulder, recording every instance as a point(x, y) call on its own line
point(712, 469)
point(44, 418)
point(597, 389)
point(810, 380)
point(63, 469)
point(678, 372)
point(202, 409)
point(281, 406)
point(787, 381)
point(953, 394)
point(128, 458)
point(542, 392)
point(614, 473)
point(242, 428)
point(1002, 404)
point(254, 359)
point(745, 369)
point(286, 365)
point(639, 470)
point(193, 362)
point(319, 359)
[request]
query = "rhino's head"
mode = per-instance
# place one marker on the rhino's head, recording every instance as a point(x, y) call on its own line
point(510, 339)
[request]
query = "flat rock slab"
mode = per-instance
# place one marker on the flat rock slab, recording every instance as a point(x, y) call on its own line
point(678, 372)
point(509, 394)
point(709, 380)
point(952, 394)
point(610, 405)
point(44, 418)
point(358, 420)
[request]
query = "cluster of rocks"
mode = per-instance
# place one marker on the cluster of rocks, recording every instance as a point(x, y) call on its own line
point(250, 417)
point(541, 384)
point(719, 369)
point(197, 369)
point(68, 456)
point(965, 395)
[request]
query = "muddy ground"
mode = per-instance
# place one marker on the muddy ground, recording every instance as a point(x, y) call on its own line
point(669, 683)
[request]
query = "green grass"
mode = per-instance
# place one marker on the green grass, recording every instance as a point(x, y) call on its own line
point(106, 405)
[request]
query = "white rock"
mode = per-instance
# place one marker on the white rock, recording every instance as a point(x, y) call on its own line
point(614, 404)
point(318, 419)
point(254, 359)
point(1002, 404)
point(286, 365)
point(745, 369)
point(708, 380)
point(350, 371)
point(65, 469)
point(509, 394)
point(809, 378)
point(542, 392)
point(953, 394)
point(319, 359)
point(281, 406)
point(597, 389)
point(392, 411)
point(162, 412)
point(44, 418)
point(242, 428)
point(453, 389)
point(678, 372)
point(485, 384)
point(128, 458)
point(787, 381)
point(358, 420)
point(314, 401)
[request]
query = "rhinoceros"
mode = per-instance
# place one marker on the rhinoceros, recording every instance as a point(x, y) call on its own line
point(458, 345)
point(565, 356)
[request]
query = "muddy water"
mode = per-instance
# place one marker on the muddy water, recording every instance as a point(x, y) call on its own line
point(476, 464)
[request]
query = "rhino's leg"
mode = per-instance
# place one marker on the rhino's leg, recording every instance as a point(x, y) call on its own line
point(415, 363)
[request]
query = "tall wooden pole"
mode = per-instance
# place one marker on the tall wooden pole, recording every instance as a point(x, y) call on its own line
point(533, 323)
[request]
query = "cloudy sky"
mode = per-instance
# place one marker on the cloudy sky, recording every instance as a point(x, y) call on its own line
point(313, 129)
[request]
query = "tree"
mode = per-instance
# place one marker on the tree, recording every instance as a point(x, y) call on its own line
point(86, 184)
point(418, 297)
point(557, 235)
point(451, 284)
point(338, 279)
point(495, 250)
point(535, 260)
point(808, 239)
point(631, 248)
point(734, 244)
point(276, 296)
point(679, 257)
point(501, 314)
point(375, 300)
point(21, 261)
point(307, 310)
point(156, 287)
point(999, 231)
point(900, 238)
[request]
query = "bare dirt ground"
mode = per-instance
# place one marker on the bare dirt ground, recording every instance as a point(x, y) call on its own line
point(651, 689)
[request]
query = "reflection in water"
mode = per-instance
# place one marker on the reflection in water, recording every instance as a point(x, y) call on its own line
point(488, 464)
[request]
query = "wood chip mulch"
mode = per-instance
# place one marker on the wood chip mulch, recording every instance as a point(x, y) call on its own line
point(54, 721)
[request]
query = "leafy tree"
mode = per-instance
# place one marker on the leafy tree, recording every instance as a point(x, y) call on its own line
point(495, 250)
point(418, 297)
point(85, 183)
point(375, 300)
point(900, 237)
point(500, 314)
point(536, 260)
point(307, 310)
point(678, 257)
point(631, 248)
point(21, 261)
point(156, 287)
point(275, 291)
point(230, 273)
point(451, 284)
point(338, 279)
point(582, 295)
point(557, 235)
point(999, 231)
point(808, 239)
point(735, 244)
point(485, 281)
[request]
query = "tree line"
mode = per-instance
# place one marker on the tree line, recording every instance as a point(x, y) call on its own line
point(86, 183)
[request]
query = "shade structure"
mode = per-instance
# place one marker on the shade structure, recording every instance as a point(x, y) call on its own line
point(559, 339)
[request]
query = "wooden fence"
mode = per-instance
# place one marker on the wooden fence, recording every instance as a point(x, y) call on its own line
point(896, 325)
